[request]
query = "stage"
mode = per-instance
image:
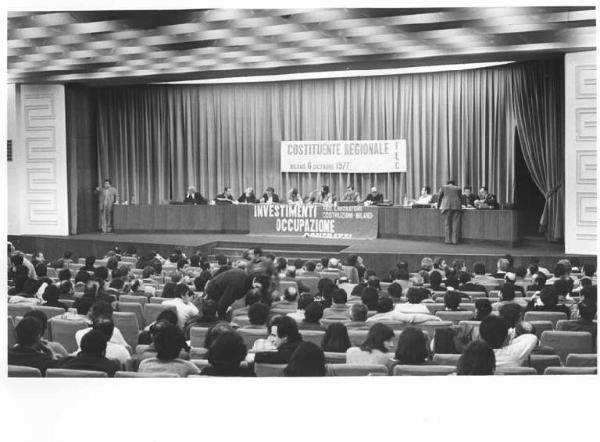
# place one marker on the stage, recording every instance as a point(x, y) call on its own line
point(379, 254)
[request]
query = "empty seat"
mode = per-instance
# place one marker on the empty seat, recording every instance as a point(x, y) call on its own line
point(18, 309)
point(446, 358)
point(133, 298)
point(269, 370)
point(435, 307)
point(582, 360)
point(570, 370)
point(133, 307)
point(63, 331)
point(67, 373)
point(553, 317)
point(315, 336)
point(541, 327)
point(133, 374)
point(12, 334)
point(541, 362)
point(515, 371)
point(455, 317)
point(151, 311)
point(50, 312)
point(357, 337)
point(332, 357)
point(251, 335)
point(423, 370)
point(127, 324)
point(197, 336)
point(20, 371)
point(355, 369)
point(565, 342)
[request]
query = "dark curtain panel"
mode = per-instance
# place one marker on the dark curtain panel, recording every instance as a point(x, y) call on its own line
point(538, 93)
point(155, 140)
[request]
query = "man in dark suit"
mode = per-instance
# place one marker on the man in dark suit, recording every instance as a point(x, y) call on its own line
point(270, 196)
point(193, 197)
point(450, 203)
point(468, 199)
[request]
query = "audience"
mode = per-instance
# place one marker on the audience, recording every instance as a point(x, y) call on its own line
point(339, 309)
point(494, 330)
point(412, 347)
point(226, 357)
point(312, 318)
point(285, 338)
point(92, 355)
point(336, 338)
point(478, 359)
point(376, 347)
point(307, 360)
point(27, 351)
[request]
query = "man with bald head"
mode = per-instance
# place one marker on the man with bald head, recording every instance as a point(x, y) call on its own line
point(193, 197)
point(374, 197)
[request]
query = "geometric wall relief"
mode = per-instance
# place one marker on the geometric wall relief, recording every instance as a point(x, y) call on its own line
point(41, 177)
point(38, 110)
point(586, 166)
point(40, 143)
point(585, 124)
point(586, 209)
point(42, 211)
point(585, 81)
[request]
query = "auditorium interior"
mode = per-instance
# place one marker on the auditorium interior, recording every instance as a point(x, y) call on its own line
point(133, 137)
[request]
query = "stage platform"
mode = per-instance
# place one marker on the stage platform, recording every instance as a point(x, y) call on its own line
point(379, 254)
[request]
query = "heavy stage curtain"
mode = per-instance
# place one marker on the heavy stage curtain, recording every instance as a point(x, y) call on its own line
point(539, 108)
point(155, 140)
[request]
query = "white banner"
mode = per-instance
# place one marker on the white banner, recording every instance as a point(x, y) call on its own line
point(358, 156)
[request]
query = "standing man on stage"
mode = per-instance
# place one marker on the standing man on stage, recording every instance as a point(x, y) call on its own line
point(107, 197)
point(449, 202)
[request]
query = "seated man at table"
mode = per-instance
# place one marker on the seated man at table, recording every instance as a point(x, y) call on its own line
point(351, 195)
point(193, 197)
point(248, 196)
point(468, 199)
point(424, 198)
point(269, 196)
point(226, 197)
point(486, 200)
point(374, 197)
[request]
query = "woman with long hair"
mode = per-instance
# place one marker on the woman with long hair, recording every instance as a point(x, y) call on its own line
point(307, 360)
point(376, 347)
point(336, 338)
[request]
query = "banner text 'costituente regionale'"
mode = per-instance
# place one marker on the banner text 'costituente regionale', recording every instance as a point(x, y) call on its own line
point(359, 156)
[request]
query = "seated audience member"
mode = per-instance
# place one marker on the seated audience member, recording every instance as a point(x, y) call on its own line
point(414, 296)
point(351, 195)
point(435, 282)
point(105, 325)
point(27, 351)
point(483, 308)
point(520, 274)
point(309, 270)
point(452, 301)
point(312, 318)
point(563, 288)
point(269, 196)
point(479, 276)
point(50, 297)
point(304, 301)
point(502, 267)
point(478, 359)
point(358, 317)
point(224, 198)
point(385, 305)
point(145, 337)
point(258, 315)
point(307, 360)
point(41, 269)
point(589, 270)
point(285, 337)
point(467, 285)
point(374, 197)
point(587, 312)
point(547, 301)
point(336, 338)
point(425, 197)
point(486, 200)
point(439, 265)
point(539, 282)
point(64, 275)
point(494, 330)
point(226, 356)
point(248, 197)
point(339, 308)
point(168, 342)
point(92, 355)
point(97, 310)
point(376, 347)
point(325, 289)
point(28, 293)
point(207, 318)
point(370, 298)
point(183, 303)
point(54, 349)
point(445, 341)
point(512, 313)
point(467, 197)
point(412, 347)
point(507, 296)
point(395, 291)
point(511, 278)
point(89, 264)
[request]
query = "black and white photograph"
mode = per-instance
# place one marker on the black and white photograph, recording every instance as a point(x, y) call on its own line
point(394, 198)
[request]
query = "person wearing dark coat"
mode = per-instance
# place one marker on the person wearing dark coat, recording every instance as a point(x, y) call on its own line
point(226, 287)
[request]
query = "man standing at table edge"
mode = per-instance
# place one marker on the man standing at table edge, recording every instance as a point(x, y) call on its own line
point(450, 203)
point(107, 197)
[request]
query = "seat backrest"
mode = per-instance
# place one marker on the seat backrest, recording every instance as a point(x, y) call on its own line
point(50, 312)
point(541, 362)
point(332, 357)
point(312, 283)
point(198, 353)
point(541, 327)
point(19, 309)
point(251, 335)
point(133, 307)
point(494, 293)
point(571, 370)
point(431, 327)
point(12, 333)
point(151, 311)
point(127, 324)
point(242, 320)
point(384, 286)
point(156, 300)
point(314, 336)
point(327, 322)
point(134, 298)
point(269, 370)
point(565, 342)
point(69, 303)
point(355, 369)
point(352, 274)
point(553, 317)
point(582, 360)
point(446, 358)
point(476, 295)
point(63, 332)
point(200, 363)
point(435, 307)
point(197, 336)
point(134, 374)
point(20, 371)
point(515, 371)
point(423, 370)
point(285, 284)
point(455, 317)
point(67, 373)
point(357, 337)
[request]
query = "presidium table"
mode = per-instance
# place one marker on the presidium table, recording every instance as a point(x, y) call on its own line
point(317, 221)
